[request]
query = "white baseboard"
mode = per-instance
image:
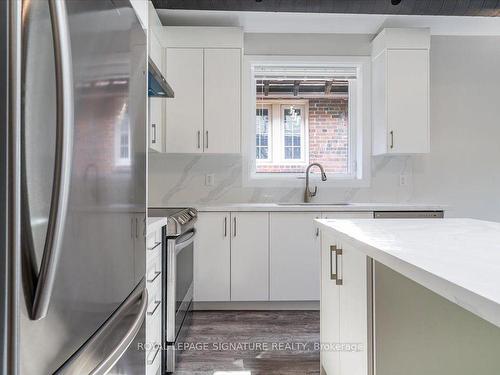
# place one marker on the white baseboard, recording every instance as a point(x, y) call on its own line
point(257, 305)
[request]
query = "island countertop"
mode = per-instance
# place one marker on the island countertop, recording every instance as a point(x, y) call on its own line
point(458, 259)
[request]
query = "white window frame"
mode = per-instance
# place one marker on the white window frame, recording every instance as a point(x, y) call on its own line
point(276, 133)
point(359, 120)
point(270, 135)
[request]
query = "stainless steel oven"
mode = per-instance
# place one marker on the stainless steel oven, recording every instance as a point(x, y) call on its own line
point(178, 238)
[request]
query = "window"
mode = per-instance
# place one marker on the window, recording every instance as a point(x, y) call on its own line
point(305, 112)
point(262, 117)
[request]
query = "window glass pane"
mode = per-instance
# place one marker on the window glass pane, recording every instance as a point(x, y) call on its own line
point(292, 126)
point(262, 132)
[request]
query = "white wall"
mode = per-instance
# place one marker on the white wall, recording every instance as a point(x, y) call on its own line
point(462, 170)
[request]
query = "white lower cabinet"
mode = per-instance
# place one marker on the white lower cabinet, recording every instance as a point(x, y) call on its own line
point(294, 256)
point(154, 309)
point(212, 257)
point(259, 256)
point(249, 256)
point(345, 309)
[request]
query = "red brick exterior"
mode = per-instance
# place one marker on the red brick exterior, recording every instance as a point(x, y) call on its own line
point(328, 137)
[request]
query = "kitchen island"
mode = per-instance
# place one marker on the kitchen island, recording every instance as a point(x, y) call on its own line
point(420, 296)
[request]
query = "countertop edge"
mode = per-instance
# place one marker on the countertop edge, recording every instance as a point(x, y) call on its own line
point(477, 304)
point(274, 207)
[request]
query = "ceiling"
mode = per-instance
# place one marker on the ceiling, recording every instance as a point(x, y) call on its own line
point(328, 23)
point(485, 8)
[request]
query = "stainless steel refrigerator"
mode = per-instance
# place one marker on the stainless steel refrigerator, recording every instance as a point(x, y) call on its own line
point(74, 174)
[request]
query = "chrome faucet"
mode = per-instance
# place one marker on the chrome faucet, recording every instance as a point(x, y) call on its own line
point(308, 194)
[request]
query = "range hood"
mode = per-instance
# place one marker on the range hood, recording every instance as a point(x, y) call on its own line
point(157, 84)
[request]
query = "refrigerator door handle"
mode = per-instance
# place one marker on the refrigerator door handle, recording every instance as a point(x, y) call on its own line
point(87, 360)
point(62, 165)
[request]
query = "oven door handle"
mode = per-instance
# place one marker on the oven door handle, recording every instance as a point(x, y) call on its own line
point(184, 240)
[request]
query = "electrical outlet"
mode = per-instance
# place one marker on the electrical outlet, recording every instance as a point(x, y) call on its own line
point(209, 179)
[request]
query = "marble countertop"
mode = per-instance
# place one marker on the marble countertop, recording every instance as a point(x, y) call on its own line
point(291, 207)
point(155, 223)
point(285, 207)
point(458, 259)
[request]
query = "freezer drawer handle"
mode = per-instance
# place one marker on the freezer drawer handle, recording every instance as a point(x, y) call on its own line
point(42, 288)
point(84, 361)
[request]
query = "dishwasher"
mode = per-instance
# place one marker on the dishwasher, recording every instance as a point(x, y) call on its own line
point(408, 214)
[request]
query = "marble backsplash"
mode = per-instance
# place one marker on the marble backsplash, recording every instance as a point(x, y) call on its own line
point(180, 179)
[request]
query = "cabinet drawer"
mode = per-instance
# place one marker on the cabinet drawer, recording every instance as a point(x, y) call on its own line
point(153, 318)
point(153, 359)
point(153, 272)
point(153, 245)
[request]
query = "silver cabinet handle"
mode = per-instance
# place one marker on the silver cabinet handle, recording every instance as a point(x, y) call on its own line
point(392, 138)
point(333, 255)
point(199, 141)
point(136, 228)
point(156, 275)
point(62, 168)
point(157, 304)
point(152, 360)
point(206, 140)
point(225, 226)
point(234, 224)
point(338, 267)
point(155, 245)
point(154, 133)
point(317, 232)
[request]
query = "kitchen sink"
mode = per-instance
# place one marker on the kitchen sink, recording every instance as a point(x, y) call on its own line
point(313, 204)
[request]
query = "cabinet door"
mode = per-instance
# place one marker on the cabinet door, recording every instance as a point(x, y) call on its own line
point(184, 112)
point(294, 256)
point(155, 124)
point(212, 257)
point(330, 309)
point(222, 100)
point(352, 265)
point(408, 101)
point(249, 256)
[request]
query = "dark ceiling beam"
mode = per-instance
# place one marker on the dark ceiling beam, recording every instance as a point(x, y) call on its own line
point(410, 7)
point(328, 87)
point(266, 88)
point(296, 86)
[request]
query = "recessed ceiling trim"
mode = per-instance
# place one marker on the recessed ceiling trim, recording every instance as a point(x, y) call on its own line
point(484, 8)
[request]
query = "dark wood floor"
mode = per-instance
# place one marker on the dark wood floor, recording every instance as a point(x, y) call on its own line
point(258, 342)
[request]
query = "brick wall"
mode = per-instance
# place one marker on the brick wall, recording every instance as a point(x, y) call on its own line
point(328, 137)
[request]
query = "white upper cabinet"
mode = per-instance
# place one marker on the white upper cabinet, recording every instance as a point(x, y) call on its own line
point(155, 124)
point(184, 114)
point(400, 91)
point(203, 66)
point(222, 100)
